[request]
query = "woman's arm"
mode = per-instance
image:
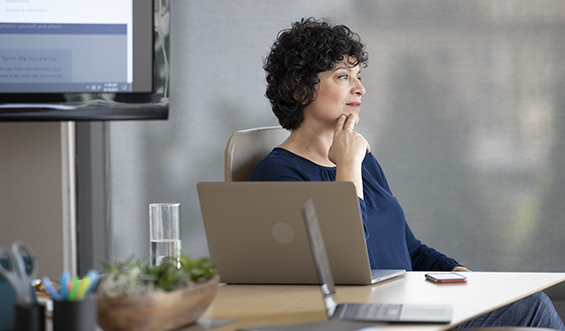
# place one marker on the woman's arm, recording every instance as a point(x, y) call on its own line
point(425, 258)
point(347, 152)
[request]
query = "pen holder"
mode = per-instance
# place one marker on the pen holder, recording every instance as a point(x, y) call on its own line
point(29, 318)
point(75, 315)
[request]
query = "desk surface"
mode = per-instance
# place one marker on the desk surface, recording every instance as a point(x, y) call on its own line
point(257, 305)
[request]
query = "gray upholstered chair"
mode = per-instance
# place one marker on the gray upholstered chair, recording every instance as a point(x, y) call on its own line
point(246, 148)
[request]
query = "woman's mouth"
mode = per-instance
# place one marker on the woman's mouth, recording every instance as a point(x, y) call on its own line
point(354, 104)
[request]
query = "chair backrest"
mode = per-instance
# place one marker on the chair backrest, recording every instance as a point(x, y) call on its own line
point(246, 148)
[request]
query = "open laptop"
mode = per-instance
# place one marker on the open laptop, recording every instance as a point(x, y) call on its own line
point(256, 235)
point(361, 311)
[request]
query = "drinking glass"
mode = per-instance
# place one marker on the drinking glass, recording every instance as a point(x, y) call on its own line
point(164, 232)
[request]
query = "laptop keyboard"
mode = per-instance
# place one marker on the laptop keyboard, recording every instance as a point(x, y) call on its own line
point(357, 311)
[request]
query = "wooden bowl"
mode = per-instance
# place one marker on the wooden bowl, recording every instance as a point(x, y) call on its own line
point(158, 310)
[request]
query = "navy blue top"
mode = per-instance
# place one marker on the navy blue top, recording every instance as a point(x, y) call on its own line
point(390, 241)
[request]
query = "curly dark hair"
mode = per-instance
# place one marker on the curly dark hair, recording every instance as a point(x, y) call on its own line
point(309, 47)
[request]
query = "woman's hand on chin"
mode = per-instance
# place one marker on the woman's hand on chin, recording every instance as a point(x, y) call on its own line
point(348, 145)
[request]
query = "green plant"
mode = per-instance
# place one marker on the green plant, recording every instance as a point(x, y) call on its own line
point(135, 276)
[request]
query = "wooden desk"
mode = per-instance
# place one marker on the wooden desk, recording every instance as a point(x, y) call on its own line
point(255, 305)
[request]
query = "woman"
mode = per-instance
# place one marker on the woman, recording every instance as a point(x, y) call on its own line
point(314, 86)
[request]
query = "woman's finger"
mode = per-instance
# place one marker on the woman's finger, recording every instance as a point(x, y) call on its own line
point(350, 122)
point(340, 122)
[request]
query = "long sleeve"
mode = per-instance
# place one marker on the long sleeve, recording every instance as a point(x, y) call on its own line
point(425, 258)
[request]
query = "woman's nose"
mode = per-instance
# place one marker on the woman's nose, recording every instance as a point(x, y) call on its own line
point(359, 88)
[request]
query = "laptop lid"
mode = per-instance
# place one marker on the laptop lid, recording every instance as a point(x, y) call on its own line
point(320, 256)
point(256, 235)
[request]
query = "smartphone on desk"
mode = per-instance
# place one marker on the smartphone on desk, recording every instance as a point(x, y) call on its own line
point(446, 277)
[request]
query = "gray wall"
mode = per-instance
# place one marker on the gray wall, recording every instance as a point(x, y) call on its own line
point(31, 191)
point(463, 110)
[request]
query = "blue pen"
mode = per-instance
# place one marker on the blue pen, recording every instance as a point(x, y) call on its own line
point(51, 289)
point(93, 276)
point(65, 278)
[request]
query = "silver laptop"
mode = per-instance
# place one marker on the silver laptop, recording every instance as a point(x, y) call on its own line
point(256, 235)
point(373, 312)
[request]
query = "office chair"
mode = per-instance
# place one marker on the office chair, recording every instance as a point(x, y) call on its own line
point(246, 148)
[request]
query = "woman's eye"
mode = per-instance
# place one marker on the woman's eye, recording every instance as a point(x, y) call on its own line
point(342, 77)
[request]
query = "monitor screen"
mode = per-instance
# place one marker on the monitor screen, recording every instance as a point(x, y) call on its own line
point(83, 59)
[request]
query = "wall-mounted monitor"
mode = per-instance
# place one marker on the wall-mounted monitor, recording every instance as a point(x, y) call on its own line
point(84, 60)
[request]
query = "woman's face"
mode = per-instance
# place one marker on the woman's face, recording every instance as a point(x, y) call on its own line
point(339, 93)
